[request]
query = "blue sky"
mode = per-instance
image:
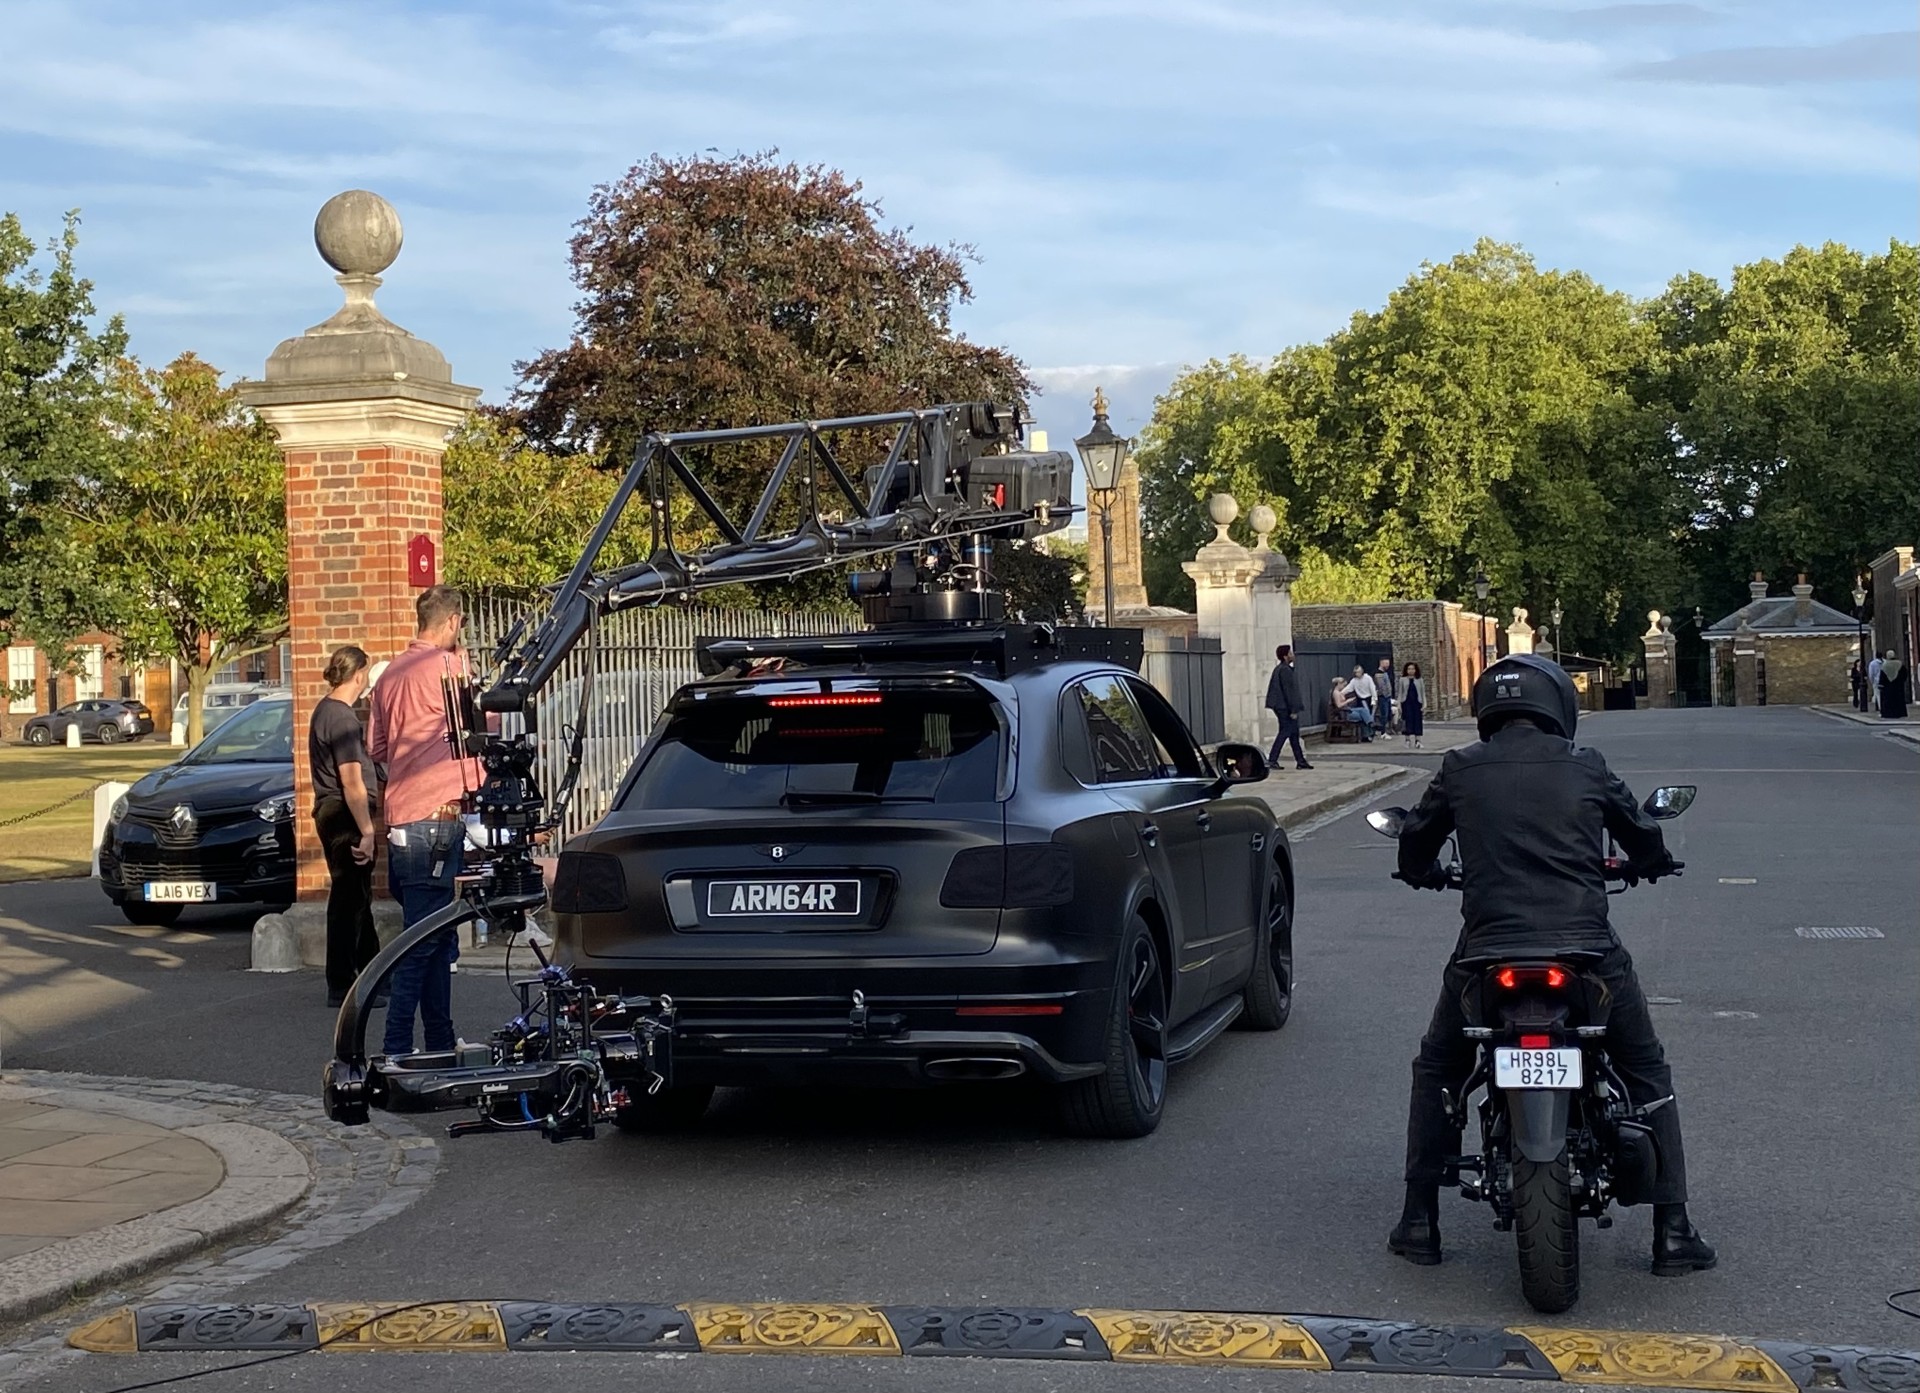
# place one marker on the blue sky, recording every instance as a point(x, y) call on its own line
point(1147, 183)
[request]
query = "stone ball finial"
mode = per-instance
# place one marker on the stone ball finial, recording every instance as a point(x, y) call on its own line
point(1223, 508)
point(1519, 614)
point(1264, 519)
point(1653, 618)
point(358, 233)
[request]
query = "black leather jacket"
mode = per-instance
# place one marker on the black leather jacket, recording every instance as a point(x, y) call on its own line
point(1283, 691)
point(1530, 810)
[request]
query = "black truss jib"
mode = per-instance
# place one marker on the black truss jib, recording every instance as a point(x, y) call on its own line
point(928, 486)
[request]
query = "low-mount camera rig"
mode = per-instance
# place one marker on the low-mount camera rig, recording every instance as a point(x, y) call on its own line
point(950, 479)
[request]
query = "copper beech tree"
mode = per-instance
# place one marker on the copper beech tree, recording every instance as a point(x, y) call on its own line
point(726, 292)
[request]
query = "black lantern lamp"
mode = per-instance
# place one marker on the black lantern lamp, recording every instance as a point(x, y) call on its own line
point(1104, 455)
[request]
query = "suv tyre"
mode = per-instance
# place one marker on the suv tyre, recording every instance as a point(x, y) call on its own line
point(1126, 1097)
point(1269, 994)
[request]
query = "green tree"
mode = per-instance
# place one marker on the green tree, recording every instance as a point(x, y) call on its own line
point(53, 370)
point(731, 292)
point(1487, 415)
point(183, 523)
point(1793, 399)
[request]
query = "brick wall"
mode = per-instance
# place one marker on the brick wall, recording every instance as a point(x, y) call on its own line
point(1808, 671)
point(1441, 637)
point(350, 513)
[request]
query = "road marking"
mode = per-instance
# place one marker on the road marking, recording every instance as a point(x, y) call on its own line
point(1838, 931)
point(1650, 1359)
point(1736, 1015)
point(1738, 880)
point(1663, 1001)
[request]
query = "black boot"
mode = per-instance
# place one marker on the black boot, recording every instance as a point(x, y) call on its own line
point(1417, 1236)
point(1677, 1244)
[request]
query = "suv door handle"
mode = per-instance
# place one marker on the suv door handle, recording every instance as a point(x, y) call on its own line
point(1150, 833)
point(1205, 819)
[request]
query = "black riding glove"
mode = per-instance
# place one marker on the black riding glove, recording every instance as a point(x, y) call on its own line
point(1666, 867)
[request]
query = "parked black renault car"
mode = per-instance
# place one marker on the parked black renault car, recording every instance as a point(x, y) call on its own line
point(215, 827)
point(909, 856)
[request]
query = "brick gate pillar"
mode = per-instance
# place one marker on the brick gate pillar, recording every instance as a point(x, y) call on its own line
point(362, 410)
point(1746, 666)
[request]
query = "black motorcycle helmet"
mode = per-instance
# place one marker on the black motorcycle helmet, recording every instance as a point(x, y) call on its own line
point(1521, 684)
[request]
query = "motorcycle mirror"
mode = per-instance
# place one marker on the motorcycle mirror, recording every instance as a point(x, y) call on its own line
point(1387, 821)
point(1670, 800)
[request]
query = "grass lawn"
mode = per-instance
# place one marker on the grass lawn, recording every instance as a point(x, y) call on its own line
point(60, 843)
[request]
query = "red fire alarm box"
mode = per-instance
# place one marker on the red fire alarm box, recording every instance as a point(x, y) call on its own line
point(420, 569)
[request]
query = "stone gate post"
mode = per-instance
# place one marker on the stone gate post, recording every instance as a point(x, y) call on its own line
point(1224, 573)
point(1520, 633)
point(362, 410)
point(1272, 613)
point(1659, 642)
point(1746, 666)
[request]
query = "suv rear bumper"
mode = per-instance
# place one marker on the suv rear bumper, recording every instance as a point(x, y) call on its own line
point(879, 1040)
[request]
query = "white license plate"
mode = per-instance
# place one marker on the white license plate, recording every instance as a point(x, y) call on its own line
point(181, 891)
point(1536, 1068)
point(751, 899)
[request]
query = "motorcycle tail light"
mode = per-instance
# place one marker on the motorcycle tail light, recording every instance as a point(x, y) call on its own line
point(1536, 1042)
point(1556, 978)
point(1508, 978)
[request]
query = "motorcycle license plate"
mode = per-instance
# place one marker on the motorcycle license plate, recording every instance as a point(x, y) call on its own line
point(1536, 1068)
point(181, 891)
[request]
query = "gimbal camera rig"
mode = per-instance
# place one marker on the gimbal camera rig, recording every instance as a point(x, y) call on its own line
point(951, 478)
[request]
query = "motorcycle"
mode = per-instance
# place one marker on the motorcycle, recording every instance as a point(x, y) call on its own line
point(1559, 1138)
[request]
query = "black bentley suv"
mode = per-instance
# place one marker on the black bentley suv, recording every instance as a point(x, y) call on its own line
point(910, 856)
point(215, 827)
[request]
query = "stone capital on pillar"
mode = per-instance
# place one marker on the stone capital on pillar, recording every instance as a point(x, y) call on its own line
point(362, 410)
point(1519, 632)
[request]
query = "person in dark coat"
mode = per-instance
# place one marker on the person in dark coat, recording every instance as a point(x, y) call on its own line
point(1413, 705)
point(1532, 811)
point(1857, 679)
point(1283, 699)
point(1893, 688)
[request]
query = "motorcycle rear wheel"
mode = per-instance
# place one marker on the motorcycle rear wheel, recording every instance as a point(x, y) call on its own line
point(1546, 1233)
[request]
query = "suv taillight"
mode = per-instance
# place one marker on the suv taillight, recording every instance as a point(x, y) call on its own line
point(1026, 875)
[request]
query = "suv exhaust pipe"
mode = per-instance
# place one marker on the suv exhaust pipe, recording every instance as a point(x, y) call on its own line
point(972, 1069)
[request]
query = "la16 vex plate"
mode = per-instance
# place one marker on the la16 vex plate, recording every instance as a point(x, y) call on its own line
point(1536, 1068)
point(754, 899)
point(181, 891)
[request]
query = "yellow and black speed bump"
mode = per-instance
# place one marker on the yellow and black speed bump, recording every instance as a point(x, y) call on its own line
point(1204, 1338)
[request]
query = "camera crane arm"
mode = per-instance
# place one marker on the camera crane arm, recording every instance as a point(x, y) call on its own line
point(949, 472)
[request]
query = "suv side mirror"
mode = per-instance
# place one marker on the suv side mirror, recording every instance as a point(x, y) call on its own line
point(1238, 764)
point(1387, 821)
point(1670, 800)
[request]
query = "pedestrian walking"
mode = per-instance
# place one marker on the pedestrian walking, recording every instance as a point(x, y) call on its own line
point(1893, 688)
point(1873, 680)
point(1364, 695)
point(345, 809)
point(1413, 705)
point(1386, 693)
point(1857, 680)
point(1283, 699)
point(424, 787)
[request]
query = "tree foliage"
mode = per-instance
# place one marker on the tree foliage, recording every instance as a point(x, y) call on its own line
point(1582, 448)
point(731, 292)
point(54, 366)
point(181, 524)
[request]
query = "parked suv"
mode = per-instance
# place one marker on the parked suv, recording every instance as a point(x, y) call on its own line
point(934, 855)
point(214, 827)
point(102, 720)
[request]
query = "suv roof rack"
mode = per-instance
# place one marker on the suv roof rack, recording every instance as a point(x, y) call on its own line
point(1005, 648)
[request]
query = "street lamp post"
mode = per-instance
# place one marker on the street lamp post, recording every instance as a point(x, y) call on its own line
point(1559, 633)
point(1860, 622)
point(1104, 454)
point(1482, 587)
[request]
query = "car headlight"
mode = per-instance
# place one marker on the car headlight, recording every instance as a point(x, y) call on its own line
point(119, 809)
point(276, 809)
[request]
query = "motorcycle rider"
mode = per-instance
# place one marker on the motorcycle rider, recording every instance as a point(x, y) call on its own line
point(1529, 808)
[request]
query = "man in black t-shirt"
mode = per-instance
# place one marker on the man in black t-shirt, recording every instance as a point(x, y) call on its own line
point(344, 803)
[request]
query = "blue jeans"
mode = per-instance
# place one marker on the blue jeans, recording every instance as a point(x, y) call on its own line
point(420, 874)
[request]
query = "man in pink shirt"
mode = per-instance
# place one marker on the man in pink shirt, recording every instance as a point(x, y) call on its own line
point(407, 736)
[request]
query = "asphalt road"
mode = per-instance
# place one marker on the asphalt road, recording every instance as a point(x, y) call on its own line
point(1274, 1177)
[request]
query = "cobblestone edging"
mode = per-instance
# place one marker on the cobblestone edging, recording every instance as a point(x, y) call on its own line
point(360, 1177)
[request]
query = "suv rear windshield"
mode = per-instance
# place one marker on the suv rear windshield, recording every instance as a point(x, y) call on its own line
point(812, 749)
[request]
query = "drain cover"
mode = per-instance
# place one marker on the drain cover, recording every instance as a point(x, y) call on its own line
point(1839, 931)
